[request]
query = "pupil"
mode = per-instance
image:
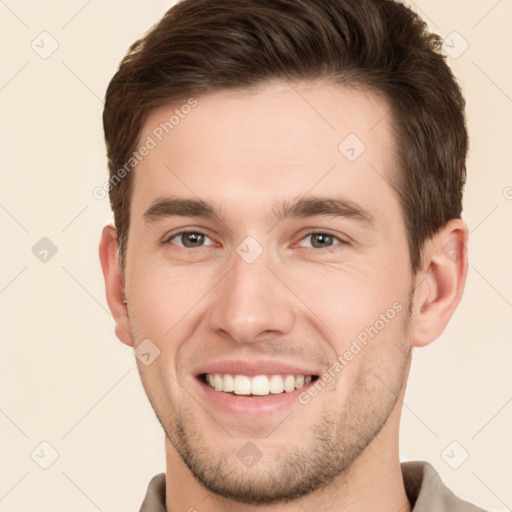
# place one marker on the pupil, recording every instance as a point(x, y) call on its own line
point(320, 238)
point(193, 238)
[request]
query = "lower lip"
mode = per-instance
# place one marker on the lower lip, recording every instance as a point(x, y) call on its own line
point(253, 405)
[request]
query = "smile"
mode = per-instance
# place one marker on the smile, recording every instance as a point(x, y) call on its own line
point(257, 385)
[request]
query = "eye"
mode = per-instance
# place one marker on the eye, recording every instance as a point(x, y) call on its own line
point(194, 239)
point(322, 240)
point(189, 239)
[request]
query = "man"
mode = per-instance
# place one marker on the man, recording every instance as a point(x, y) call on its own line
point(286, 179)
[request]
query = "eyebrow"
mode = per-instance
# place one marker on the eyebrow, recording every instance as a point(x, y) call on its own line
point(164, 207)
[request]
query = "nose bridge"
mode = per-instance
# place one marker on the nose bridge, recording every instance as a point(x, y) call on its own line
point(250, 299)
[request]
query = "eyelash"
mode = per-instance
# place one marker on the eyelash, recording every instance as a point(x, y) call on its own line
point(325, 250)
point(329, 249)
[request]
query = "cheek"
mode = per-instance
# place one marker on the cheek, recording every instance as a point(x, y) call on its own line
point(163, 298)
point(339, 300)
point(345, 299)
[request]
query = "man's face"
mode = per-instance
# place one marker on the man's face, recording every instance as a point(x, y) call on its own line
point(249, 287)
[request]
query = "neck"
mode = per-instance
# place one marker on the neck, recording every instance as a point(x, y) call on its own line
point(373, 482)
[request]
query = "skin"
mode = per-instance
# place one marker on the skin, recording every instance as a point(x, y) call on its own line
point(303, 300)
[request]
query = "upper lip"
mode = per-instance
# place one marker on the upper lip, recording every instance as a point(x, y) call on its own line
point(252, 368)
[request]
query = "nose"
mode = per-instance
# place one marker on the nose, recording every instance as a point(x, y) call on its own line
point(251, 303)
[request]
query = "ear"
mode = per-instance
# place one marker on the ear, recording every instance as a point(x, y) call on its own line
point(440, 283)
point(114, 284)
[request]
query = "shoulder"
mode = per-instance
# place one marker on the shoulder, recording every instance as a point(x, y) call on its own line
point(154, 501)
point(427, 492)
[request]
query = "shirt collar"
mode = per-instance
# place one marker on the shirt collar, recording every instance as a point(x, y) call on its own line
point(423, 486)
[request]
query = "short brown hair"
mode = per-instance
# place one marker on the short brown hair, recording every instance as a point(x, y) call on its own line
point(201, 46)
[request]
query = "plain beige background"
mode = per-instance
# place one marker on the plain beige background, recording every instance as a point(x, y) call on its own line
point(67, 382)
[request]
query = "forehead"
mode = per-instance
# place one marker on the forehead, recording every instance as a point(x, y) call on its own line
point(275, 141)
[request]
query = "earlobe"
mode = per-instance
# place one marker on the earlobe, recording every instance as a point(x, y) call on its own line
point(440, 285)
point(114, 285)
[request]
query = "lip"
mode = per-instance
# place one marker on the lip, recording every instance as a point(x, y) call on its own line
point(253, 368)
point(253, 407)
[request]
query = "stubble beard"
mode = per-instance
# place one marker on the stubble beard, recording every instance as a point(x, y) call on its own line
point(338, 438)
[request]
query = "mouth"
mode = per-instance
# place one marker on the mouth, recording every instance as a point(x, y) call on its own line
point(253, 397)
point(253, 389)
point(256, 385)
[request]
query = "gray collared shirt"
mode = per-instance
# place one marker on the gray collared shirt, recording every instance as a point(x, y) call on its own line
point(422, 483)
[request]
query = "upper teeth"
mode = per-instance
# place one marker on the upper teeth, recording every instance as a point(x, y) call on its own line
point(258, 385)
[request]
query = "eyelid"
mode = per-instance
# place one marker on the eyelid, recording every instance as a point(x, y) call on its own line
point(168, 237)
point(325, 232)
